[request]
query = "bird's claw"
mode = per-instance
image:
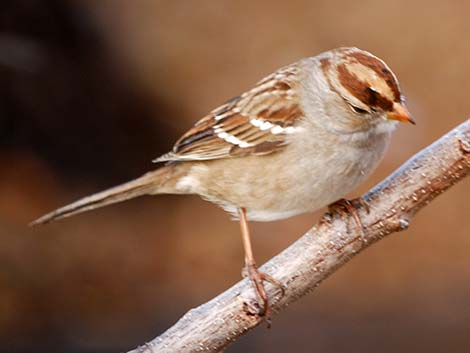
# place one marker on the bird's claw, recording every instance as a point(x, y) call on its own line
point(257, 278)
point(343, 207)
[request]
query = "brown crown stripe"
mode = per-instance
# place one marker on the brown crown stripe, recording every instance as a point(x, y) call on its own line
point(361, 90)
point(381, 70)
point(325, 65)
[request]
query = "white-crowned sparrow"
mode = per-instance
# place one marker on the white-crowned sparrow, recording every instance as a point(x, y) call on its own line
point(301, 139)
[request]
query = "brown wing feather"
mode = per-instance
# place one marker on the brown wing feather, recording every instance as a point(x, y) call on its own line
point(256, 122)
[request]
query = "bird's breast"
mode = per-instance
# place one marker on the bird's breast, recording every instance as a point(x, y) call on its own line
point(301, 178)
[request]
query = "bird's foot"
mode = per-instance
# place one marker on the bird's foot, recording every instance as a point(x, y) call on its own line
point(349, 207)
point(257, 278)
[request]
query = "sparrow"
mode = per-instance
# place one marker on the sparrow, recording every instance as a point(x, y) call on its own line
point(300, 139)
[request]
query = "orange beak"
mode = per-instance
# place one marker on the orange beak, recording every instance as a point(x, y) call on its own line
point(400, 113)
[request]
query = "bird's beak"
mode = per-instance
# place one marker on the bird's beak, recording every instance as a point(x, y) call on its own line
point(400, 113)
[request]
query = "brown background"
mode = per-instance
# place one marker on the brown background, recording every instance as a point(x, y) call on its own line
point(91, 91)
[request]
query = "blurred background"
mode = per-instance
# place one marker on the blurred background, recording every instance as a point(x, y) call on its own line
point(92, 91)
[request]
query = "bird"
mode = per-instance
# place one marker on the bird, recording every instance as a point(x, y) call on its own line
point(301, 139)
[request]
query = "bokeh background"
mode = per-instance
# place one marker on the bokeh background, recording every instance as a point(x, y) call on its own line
point(91, 91)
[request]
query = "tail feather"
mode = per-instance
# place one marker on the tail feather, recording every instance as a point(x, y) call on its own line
point(148, 183)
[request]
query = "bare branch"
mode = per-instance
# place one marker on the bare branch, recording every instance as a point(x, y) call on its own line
point(328, 245)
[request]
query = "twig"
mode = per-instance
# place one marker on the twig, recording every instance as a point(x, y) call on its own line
point(328, 245)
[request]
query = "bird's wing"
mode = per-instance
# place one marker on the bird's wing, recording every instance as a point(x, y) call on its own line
point(256, 122)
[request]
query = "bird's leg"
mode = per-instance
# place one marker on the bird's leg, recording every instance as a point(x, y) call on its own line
point(343, 206)
point(251, 270)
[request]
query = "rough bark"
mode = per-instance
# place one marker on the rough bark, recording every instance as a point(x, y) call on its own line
point(328, 245)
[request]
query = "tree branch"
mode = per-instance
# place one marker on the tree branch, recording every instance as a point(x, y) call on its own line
point(328, 245)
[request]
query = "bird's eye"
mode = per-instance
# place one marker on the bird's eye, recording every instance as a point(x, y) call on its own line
point(358, 110)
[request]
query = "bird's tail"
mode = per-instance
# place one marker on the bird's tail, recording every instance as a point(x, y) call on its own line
point(149, 183)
